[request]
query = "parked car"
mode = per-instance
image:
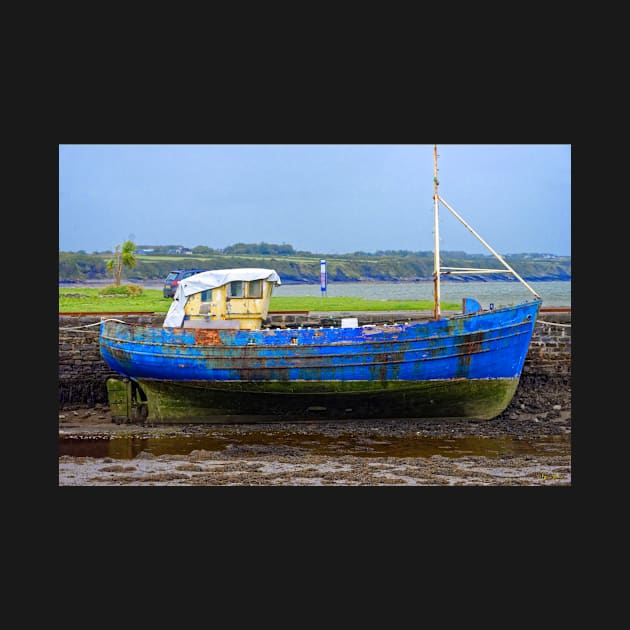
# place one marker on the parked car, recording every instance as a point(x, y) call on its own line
point(175, 277)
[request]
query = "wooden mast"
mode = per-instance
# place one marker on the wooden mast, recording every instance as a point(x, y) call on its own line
point(437, 269)
point(436, 243)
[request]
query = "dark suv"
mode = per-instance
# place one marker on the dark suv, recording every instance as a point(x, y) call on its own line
point(175, 277)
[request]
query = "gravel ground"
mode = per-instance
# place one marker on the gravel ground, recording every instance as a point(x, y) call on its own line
point(528, 444)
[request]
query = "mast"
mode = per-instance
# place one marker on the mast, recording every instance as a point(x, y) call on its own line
point(436, 243)
point(437, 270)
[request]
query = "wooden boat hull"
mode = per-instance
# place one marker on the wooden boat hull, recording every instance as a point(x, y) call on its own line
point(199, 402)
point(467, 366)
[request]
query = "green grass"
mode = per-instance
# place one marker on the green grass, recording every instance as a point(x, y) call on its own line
point(152, 301)
point(353, 304)
point(90, 302)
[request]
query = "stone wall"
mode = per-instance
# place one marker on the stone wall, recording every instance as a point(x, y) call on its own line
point(550, 348)
point(83, 373)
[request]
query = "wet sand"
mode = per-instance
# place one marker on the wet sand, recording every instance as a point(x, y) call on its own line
point(528, 444)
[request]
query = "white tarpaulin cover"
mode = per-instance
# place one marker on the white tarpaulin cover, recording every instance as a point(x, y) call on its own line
point(210, 280)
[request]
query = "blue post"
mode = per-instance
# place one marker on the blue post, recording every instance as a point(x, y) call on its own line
point(322, 276)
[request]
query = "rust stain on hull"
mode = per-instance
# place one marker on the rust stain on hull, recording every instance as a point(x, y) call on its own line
point(206, 337)
point(470, 347)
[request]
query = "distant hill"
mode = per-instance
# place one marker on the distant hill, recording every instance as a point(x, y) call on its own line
point(300, 266)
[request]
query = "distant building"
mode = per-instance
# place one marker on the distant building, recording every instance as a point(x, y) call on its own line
point(180, 250)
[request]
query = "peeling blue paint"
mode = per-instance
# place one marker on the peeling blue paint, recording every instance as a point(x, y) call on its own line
point(487, 345)
point(483, 345)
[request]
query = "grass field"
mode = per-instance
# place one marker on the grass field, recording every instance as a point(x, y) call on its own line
point(151, 300)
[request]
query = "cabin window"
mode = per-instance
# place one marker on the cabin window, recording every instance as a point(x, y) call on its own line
point(206, 296)
point(255, 289)
point(236, 289)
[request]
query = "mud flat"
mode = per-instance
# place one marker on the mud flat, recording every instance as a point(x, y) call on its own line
point(528, 444)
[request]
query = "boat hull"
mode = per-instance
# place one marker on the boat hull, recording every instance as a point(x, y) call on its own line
point(200, 402)
point(467, 366)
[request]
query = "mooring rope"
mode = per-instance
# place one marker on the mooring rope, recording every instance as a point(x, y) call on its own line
point(540, 321)
point(94, 324)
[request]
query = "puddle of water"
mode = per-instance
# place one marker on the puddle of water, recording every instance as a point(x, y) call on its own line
point(128, 447)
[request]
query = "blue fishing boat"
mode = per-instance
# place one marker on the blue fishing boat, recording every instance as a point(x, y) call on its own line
point(216, 358)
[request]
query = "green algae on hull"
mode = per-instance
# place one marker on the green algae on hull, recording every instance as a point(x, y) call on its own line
point(160, 402)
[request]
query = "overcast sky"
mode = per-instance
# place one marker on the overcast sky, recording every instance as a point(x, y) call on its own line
point(321, 198)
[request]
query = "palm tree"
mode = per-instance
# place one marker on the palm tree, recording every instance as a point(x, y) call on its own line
point(122, 257)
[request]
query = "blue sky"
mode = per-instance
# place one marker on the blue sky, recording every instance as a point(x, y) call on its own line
point(321, 198)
